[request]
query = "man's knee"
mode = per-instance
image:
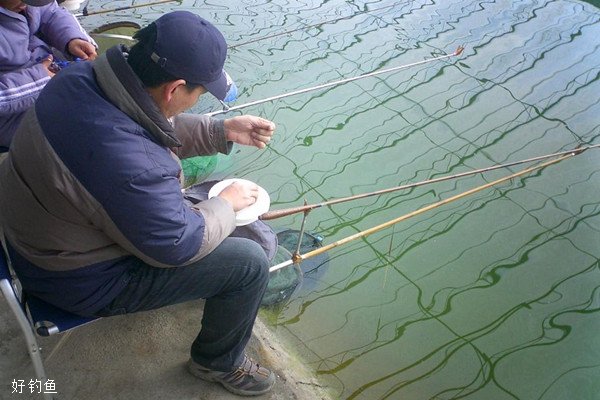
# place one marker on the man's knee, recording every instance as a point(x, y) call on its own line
point(257, 260)
point(239, 262)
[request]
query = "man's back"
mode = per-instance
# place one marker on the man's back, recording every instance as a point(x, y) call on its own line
point(90, 187)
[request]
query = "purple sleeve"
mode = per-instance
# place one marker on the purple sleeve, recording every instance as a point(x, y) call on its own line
point(20, 88)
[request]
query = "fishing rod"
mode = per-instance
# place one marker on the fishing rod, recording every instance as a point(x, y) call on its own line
point(297, 258)
point(309, 26)
point(457, 52)
point(86, 13)
point(294, 210)
point(233, 46)
point(112, 36)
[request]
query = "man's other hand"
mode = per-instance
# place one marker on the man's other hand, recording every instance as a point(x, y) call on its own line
point(240, 195)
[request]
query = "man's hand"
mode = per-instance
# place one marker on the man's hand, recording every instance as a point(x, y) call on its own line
point(82, 49)
point(240, 195)
point(249, 130)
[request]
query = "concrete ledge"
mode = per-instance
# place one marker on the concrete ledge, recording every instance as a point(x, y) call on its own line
point(140, 356)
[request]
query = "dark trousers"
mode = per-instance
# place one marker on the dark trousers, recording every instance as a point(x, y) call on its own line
point(232, 279)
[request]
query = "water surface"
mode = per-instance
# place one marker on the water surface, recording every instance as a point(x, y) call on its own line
point(495, 296)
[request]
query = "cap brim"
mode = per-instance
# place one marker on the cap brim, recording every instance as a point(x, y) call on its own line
point(37, 3)
point(220, 87)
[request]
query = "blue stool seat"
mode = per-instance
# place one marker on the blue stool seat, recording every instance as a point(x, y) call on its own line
point(49, 320)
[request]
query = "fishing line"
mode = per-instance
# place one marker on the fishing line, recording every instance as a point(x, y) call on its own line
point(298, 258)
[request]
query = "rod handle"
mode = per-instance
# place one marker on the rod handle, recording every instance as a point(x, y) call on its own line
point(284, 212)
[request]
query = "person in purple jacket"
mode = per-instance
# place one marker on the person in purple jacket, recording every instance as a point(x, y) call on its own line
point(30, 33)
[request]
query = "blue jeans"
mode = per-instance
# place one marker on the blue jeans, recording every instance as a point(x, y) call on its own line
point(232, 279)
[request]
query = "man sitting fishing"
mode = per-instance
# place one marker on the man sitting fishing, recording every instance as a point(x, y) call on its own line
point(33, 35)
point(92, 208)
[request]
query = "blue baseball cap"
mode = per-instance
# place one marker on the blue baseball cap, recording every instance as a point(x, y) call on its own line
point(191, 48)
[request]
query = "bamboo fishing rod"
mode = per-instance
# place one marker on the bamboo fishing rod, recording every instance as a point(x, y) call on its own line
point(294, 210)
point(86, 13)
point(297, 258)
point(456, 53)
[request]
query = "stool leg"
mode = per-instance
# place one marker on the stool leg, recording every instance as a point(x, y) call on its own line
point(32, 345)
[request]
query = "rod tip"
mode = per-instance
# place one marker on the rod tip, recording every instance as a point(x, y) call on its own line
point(459, 51)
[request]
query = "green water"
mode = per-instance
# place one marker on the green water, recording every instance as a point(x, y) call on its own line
point(495, 296)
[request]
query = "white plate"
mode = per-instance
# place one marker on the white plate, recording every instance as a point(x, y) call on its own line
point(251, 213)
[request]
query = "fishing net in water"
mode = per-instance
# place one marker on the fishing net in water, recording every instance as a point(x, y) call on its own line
point(284, 282)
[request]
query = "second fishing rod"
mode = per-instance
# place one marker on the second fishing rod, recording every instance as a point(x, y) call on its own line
point(308, 207)
point(298, 258)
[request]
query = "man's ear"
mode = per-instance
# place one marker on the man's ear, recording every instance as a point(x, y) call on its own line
point(171, 87)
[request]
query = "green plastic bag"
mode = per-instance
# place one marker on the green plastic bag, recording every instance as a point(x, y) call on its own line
point(197, 169)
